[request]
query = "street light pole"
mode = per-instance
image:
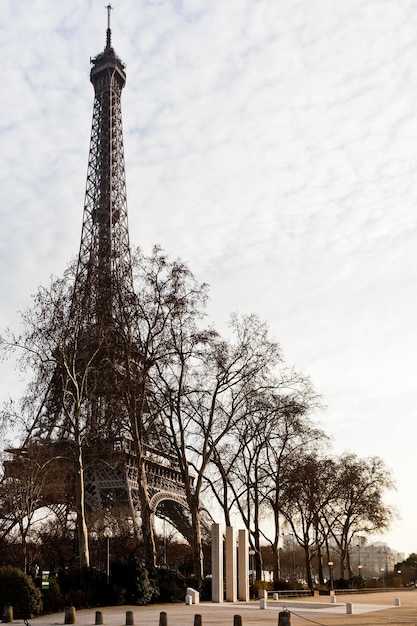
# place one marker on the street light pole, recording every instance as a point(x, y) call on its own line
point(330, 564)
point(108, 560)
point(107, 536)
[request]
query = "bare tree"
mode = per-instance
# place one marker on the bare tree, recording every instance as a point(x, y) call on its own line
point(252, 463)
point(289, 435)
point(168, 301)
point(55, 402)
point(203, 392)
point(307, 491)
point(359, 488)
point(22, 491)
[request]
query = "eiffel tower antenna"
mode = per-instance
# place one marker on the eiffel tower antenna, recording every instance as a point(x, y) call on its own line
point(108, 34)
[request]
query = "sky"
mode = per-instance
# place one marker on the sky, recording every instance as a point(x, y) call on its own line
point(272, 145)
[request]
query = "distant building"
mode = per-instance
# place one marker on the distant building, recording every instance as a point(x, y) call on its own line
point(373, 560)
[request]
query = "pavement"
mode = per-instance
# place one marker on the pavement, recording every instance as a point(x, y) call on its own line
point(376, 609)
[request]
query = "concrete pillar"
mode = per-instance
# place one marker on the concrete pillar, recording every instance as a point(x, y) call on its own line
point(216, 563)
point(231, 571)
point(129, 618)
point(195, 595)
point(349, 608)
point(243, 566)
point(99, 618)
point(263, 603)
point(397, 601)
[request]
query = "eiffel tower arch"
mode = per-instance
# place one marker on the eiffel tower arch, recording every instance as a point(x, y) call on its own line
point(123, 468)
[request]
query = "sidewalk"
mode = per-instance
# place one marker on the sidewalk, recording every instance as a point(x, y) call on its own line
point(368, 609)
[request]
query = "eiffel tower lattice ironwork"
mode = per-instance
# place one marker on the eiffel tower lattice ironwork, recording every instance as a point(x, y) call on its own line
point(103, 290)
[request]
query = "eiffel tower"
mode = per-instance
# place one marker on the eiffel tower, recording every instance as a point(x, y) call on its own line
point(100, 313)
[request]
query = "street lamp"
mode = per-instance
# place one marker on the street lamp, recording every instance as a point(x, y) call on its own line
point(330, 564)
point(107, 534)
point(360, 570)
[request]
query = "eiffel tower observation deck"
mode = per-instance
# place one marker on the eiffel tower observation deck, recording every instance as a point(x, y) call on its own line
point(93, 429)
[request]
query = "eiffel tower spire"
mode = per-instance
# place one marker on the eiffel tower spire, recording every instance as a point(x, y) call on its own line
point(104, 275)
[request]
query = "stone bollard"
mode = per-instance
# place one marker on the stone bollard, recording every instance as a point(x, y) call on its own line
point(262, 603)
point(194, 594)
point(198, 620)
point(349, 608)
point(275, 596)
point(163, 618)
point(129, 618)
point(333, 599)
point(7, 613)
point(70, 615)
point(99, 618)
point(237, 620)
point(397, 601)
point(284, 618)
point(188, 600)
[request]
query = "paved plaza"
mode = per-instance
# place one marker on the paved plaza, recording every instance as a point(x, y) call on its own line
point(367, 609)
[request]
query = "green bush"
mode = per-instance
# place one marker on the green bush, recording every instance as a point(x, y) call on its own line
point(85, 588)
point(51, 598)
point(283, 584)
point(356, 582)
point(172, 586)
point(133, 583)
point(19, 590)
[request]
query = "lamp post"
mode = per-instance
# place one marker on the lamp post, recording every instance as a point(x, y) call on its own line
point(330, 564)
point(360, 570)
point(165, 546)
point(383, 576)
point(107, 536)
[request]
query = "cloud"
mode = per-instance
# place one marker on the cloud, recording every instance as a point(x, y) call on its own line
point(270, 144)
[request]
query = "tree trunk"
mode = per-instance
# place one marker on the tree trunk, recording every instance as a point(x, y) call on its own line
point(196, 545)
point(308, 567)
point(80, 508)
point(276, 562)
point(275, 544)
point(146, 517)
point(320, 564)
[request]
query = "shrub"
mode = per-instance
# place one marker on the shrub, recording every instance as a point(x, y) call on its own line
point(172, 586)
point(85, 588)
point(19, 590)
point(52, 597)
point(356, 582)
point(133, 583)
